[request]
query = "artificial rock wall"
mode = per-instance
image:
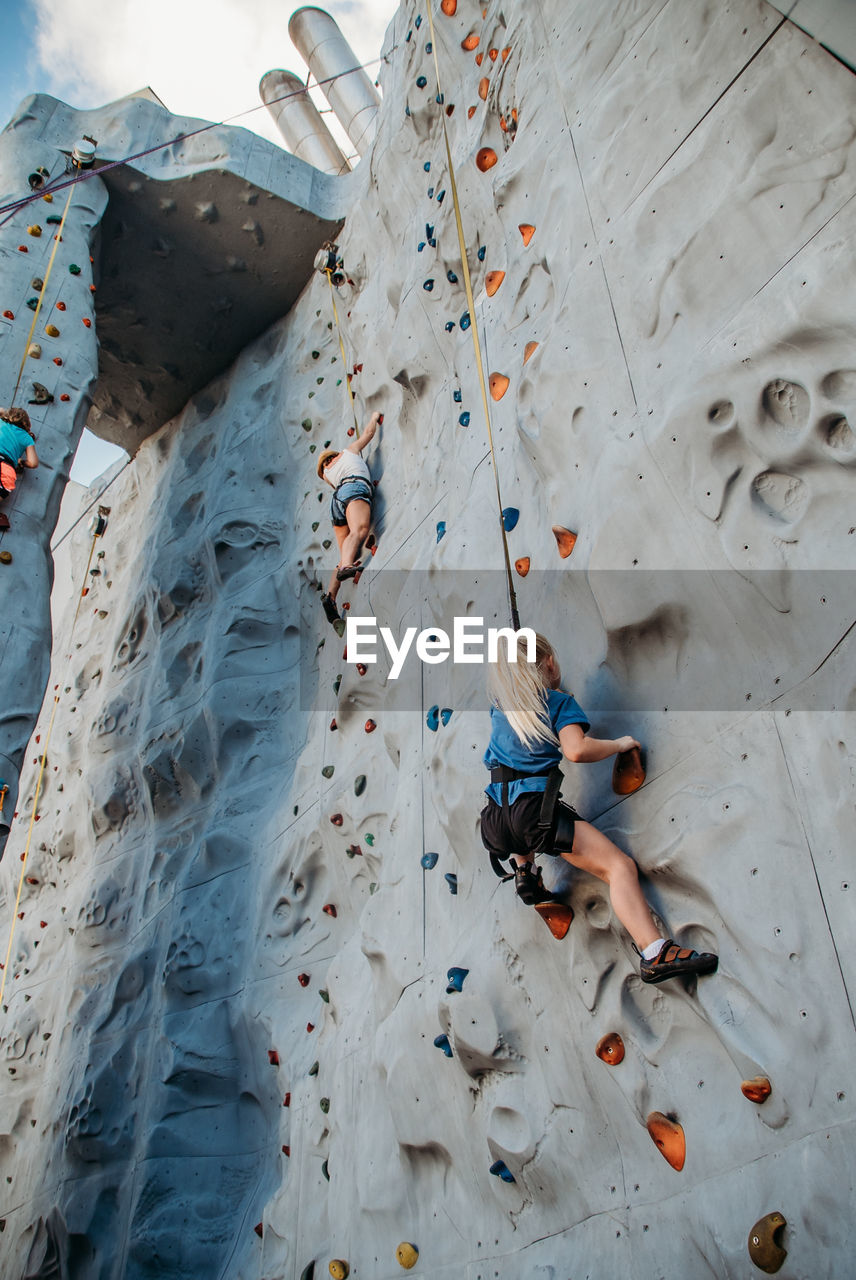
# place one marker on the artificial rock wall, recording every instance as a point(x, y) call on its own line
point(197, 934)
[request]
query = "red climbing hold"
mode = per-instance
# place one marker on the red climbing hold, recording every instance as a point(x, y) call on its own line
point(525, 228)
point(610, 1049)
point(286, 1151)
point(286, 1102)
point(22, 248)
point(65, 396)
point(57, 359)
point(370, 726)
point(273, 1057)
point(259, 1229)
point(361, 667)
point(303, 979)
point(329, 909)
point(333, 725)
point(9, 315)
point(565, 540)
point(628, 772)
point(470, 42)
point(310, 1027)
point(522, 566)
point(492, 281)
point(87, 322)
point(336, 819)
point(60, 306)
point(43, 924)
point(669, 1139)
point(351, 430)
point(499, 384)
point(529, 350)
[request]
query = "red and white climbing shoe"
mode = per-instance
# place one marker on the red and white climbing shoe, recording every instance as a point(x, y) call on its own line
point(674, 960)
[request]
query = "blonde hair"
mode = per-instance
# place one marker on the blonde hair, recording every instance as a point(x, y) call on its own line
point(519, 689)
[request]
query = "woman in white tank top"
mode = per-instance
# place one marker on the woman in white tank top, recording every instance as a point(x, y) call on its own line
point(351, 508)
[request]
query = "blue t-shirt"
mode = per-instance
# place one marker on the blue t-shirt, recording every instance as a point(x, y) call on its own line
point(506, 748)
point(14, 442)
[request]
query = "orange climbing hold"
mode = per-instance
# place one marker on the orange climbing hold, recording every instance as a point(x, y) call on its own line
point(493, 54)
point(628, 772)
point(522, 566)
point(557, 916)
point(329, 909)
point(565, 540)
point(470, 42)
point(525, 228)
point(668, 1138)
point(449, 7)
point(484, 85)
point(503, 124)
point(470, 112)
point(499, 384)
point(370, 726)
point(479, 59)
point(87, 322)
point(492, 281)
point(505, 54)
point(758, 1089)
point(610, 1049)
point(530, 349)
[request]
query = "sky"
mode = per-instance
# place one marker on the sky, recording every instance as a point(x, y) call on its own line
point(203, 58)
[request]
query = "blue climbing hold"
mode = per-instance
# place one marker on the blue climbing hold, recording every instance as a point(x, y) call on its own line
point(433, 718)
point(430, 193)
point(429, 860)
point(450, 324)
point(421, 82)
point(451, 277)
point(418, 22)
point(510, 516)
point(456, 980)
point(465, 320)
point(441, 529)
point(407, 111)
point(427, 166)
point(442, 196)
point(464, 419)
point(429, 230)
point(440, 99)
point(501, 1170)
point(446, 715)
point(429, 48)
point(428, 286)
point(452, 881)
point(433, 243)
point(442, 1042)
point(456, 396)
point(482, 252)
point(420, 246)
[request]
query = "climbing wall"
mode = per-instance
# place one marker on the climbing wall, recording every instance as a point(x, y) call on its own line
point(232, 1043)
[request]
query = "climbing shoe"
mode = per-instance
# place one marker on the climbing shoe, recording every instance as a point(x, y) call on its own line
point(529, 883)
point(348, 571)
point(674, 960)
point(331, 613)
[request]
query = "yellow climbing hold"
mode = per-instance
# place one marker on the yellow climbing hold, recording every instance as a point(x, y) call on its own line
point(34, 230)
point(764, 1247)
point(51, 330)
point(492, 281)
point(339, 1269)
point(34, 351)
point(5, 557)
point(407, 1254)
point(48, 198)
point(499, 384)
point(531, 348)
point(669, 1139)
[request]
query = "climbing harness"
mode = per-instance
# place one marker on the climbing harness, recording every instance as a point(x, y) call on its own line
point(97, 527)
point(512, 597)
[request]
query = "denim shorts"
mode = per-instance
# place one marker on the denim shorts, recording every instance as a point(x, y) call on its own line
point(345, 493)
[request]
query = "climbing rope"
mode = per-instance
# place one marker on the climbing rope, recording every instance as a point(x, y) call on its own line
point(100, 526)
point(42, 293)
point(329, 274)
point(512, 597)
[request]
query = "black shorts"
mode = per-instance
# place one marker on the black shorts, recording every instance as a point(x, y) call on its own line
point(521, 833)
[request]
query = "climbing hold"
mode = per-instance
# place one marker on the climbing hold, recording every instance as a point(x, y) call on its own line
point(22, 248)
point(407, 1253)
point(428, 285)
point(74, 269)
point(522, 566)
point(34, 351)
point(479, 59)
point(452, 881)
point(370, 726)
point(669, 1139)
point(361, 667)
point(557, 916)
point(35, 230)
point(259, 1229)
point(336, 819)
point(429, 233)
point(33, 303)
point(429, 860)
point(481, 253)
point(450, 109)
point(441, 196)
point(464, 419)
point(465, 320)
point(337, 683)
point(333, 725)
point(441, 529)
point(329, 910)
point(421, 82)
point(325, 1169)
point(758, 1089)
point(492, 281)
point(359, 784)
point(501, 1170)
point(451, 277)
point(765, 1248)
point(325, 995)
point(65, 396)
point(456, 396)
point(418, 22)
point(60, 306)
point(470, 112)
point(310, 1027)
point(5, 557)
point(433, 718)
point(324, 1104)
point(456, 978)
point(505, 53)
point(442, 1042)
point(354, 851)
point(313, 1070)
point(57, 359)
point(339, 1269)
point(308, 1272)
point(499, 384)
point(484, 85)
point(610, 1049)
point(306, 424)
point(427, 166)
point(87, 322)
point(9, 315)
point(628, 772)
point(54, 219)
point(470, 42)
point(41, 395)
point(445, 715)
point(37, 179)
point(565, 540)
point(450, 8)
point(493, 54)
point(273, 1057)
point(526, 230)
point(369, 839)
point(450, 324)
point(510, 516)
point(429, 48)
point(303, 979)
point(529, 350)
point(51, 330)
point(286, 1151)
point(327, 771)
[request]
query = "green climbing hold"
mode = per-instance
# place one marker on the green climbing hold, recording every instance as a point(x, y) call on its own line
point(54, 219)
point(325, 1169)
point(319, 381)
point(74, 269)
point(325, 995)
point(325, 1105)
point(327, 544)
point(369, 839)
point(327, 771)
point(315, 525)
point(311, 394)
point(315, 355)
point(306, 424)
point(372, 888)
point(360, 785)
point(312, 448)
point(32, 303)
point(313, 1070)
point(337, 684)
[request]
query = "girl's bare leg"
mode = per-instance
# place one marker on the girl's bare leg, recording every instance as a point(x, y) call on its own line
point(341, 533)
point(359, 516)
point(594, 853)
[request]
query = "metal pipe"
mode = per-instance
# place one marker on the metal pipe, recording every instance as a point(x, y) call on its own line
point(327, 54)
point(300, 123)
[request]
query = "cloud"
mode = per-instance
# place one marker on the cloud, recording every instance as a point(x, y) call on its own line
point(203, 58)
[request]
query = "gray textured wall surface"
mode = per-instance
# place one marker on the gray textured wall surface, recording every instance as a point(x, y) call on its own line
point(689, 172)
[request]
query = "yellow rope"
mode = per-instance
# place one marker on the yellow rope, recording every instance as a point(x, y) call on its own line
point(42, 765)
point(44, 290)
point(473, 325)
point(342, 348)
